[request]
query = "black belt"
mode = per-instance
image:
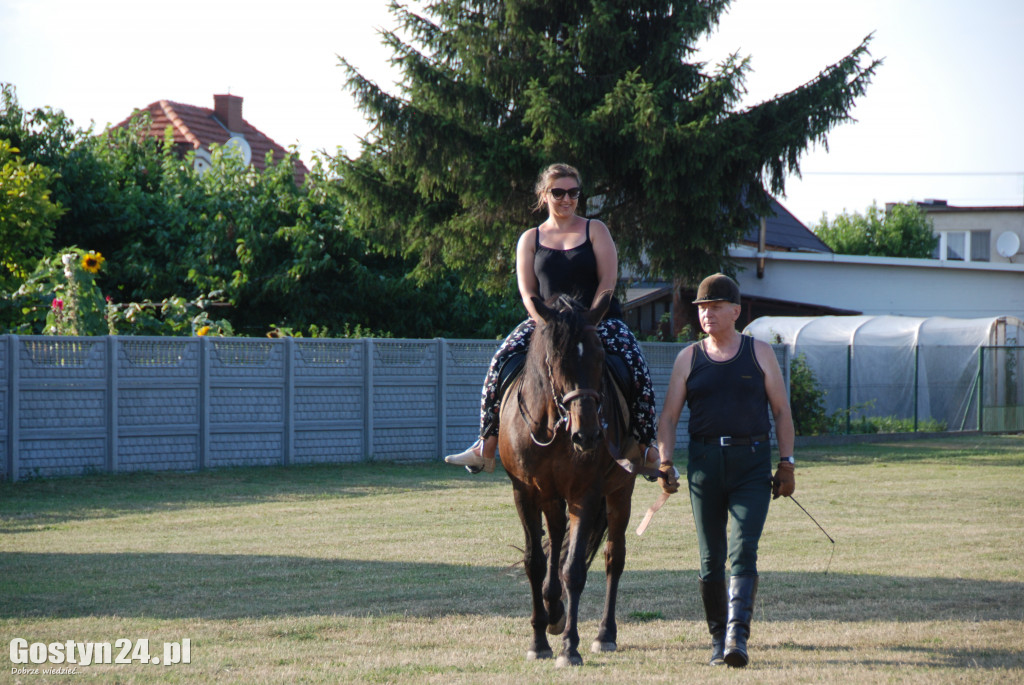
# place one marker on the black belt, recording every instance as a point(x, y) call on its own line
point(729, 440)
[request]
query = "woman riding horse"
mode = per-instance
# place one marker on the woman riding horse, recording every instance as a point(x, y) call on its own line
point(566, 254)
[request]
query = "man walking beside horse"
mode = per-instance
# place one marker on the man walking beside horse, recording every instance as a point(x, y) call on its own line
point(729, 381)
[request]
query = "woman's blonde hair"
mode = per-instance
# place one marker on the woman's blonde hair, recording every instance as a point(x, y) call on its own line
point(549, 176)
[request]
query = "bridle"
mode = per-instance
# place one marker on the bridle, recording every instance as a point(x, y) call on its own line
point(564, 418)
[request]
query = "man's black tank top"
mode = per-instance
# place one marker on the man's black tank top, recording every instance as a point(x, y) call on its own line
point(569, 272)
point(727, 398)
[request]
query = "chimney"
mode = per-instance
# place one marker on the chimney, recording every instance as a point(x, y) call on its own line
point(228, 109)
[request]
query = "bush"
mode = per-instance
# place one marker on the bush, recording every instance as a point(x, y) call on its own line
point(807, 399)
point(892, 424)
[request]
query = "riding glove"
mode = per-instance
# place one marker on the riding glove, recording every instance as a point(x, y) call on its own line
point(670, 483)
point(784, 482)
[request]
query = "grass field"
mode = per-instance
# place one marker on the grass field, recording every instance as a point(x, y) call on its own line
point(406, 573)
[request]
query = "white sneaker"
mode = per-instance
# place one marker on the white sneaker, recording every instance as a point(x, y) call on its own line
point(651, 456)
point(472, 458)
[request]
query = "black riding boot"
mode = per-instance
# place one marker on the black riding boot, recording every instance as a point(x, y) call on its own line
point(716, 608)
point(742, 590)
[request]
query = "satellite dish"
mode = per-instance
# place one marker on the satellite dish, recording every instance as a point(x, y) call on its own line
point(1008, 244)
point(238, 142)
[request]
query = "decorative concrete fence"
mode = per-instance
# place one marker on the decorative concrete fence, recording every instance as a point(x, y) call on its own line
point(115, 404)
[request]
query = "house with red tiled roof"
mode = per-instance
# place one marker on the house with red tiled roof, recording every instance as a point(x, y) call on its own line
point(196, 128)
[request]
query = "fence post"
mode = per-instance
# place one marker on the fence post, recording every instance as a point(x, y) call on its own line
point(204, 404)
point(368, 408)
point(849, 386)
point(13, 373)
point(917, 359)
point(112, 412)
point(442, 395)
point(289, 401)
point(981, 386)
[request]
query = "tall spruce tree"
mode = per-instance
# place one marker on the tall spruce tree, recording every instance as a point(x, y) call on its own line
point(494, 90)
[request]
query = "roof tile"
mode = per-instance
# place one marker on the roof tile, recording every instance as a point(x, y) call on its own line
point(198, 127)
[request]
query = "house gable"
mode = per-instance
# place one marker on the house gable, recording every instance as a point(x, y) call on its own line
point(783, 231)
point(197, 128)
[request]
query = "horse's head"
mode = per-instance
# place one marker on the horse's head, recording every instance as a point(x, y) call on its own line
point(574, 357)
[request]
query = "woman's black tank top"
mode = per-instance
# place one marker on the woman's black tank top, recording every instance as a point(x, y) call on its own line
point(569, 272)
point(727, 398)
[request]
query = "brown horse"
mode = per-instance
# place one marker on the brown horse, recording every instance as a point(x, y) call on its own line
point(558, 454)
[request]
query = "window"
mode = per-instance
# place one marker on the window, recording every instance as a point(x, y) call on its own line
point(964, 246)
point(956, 246)
point(980, 248)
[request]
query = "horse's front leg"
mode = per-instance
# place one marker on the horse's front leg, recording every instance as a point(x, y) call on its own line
point(557, 526)
point(534, 563)
point(574, 577)
point(619, 505)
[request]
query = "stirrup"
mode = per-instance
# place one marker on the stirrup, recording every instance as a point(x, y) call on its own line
point(644, 461)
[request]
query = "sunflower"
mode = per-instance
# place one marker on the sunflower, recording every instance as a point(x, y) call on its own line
point(92, 262)
point(203, 331)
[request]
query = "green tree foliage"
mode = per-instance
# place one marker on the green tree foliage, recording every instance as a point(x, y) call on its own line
point(235, 249)
point(27, 214)
point(494, 90)
point(904, 230)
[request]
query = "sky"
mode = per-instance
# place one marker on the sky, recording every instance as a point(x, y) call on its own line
point(941, 120)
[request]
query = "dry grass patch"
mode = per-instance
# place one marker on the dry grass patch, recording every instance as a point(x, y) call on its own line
point(379, 573)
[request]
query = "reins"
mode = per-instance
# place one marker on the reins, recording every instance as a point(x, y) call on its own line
point(565, 419)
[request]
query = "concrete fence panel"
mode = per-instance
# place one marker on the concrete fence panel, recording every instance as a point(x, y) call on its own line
point(72, 406)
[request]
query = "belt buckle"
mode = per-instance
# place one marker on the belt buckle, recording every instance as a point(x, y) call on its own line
point(725, 441)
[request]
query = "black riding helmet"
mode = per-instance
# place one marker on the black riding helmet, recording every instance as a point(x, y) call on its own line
point(718, 288)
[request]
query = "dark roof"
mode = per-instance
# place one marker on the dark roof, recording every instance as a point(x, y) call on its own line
point(199, 127)
point(642, 294)
point(941, 206)
point(784, 232)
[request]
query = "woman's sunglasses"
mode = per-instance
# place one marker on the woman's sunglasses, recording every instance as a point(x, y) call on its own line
point(559, 193)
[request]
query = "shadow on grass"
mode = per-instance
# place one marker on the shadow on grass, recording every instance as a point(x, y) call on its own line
point(961, 657)
point(36, 504)
point(974, 449)
point(174, 586)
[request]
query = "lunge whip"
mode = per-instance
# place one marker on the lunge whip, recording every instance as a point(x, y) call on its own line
point(812, 518)
point(821, 529)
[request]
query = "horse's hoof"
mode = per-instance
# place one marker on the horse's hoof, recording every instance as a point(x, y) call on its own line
point(557, 628)
point(572, 660)
point(597, 647)
point(534, 655)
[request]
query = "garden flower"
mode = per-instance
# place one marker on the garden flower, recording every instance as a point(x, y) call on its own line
point(92, 262)
point(203, 331)
point(57, 304)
